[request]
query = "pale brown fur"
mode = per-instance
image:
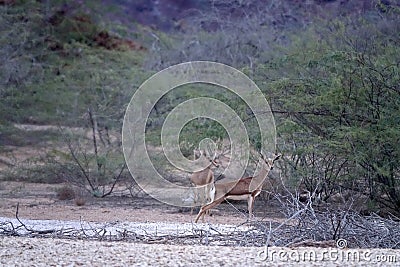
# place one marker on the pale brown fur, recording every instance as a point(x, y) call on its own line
point(245, 188)
point(202, 178)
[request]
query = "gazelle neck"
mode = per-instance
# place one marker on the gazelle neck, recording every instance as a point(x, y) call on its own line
point(263, 170)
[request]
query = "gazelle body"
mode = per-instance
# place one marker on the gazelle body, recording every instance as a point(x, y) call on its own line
point(245, 188)
point(203, 178)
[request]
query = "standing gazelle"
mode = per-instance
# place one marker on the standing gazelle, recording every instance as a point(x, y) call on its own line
point(245, 188)
point(204, 177)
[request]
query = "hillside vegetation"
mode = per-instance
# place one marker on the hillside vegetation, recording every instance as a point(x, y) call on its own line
point(329, 69)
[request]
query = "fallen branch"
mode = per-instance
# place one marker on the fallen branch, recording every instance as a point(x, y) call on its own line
point(30, 230)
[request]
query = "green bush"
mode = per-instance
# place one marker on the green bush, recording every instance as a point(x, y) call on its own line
point(337, 102)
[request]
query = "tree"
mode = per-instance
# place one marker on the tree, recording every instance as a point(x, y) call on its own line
point(339, 108)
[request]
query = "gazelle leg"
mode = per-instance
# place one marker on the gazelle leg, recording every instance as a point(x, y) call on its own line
point(250, 204)
point(251, 200)
point(207, 207)
point(194, 195)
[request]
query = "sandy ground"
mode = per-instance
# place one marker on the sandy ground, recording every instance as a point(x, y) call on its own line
point(39, 206)
point(39, 201)
point(60, 252)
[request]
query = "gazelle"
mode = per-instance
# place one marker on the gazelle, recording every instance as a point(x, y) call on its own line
point(206, 175)
point(245, 188)
point(203, 178)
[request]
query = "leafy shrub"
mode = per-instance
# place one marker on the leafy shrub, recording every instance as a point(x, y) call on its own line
point(338, 108)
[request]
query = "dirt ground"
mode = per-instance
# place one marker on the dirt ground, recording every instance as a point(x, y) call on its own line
point(40, 201)
point(59, 252)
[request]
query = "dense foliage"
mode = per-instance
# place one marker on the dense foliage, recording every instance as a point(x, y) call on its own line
point(337, 97)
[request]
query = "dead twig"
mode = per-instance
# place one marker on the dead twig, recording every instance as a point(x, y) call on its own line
point(30, 230)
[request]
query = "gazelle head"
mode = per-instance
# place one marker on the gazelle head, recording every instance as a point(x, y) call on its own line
point(214, 162)
point(270, 161)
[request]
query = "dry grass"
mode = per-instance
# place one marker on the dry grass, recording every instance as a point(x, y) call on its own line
point(65, 193)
